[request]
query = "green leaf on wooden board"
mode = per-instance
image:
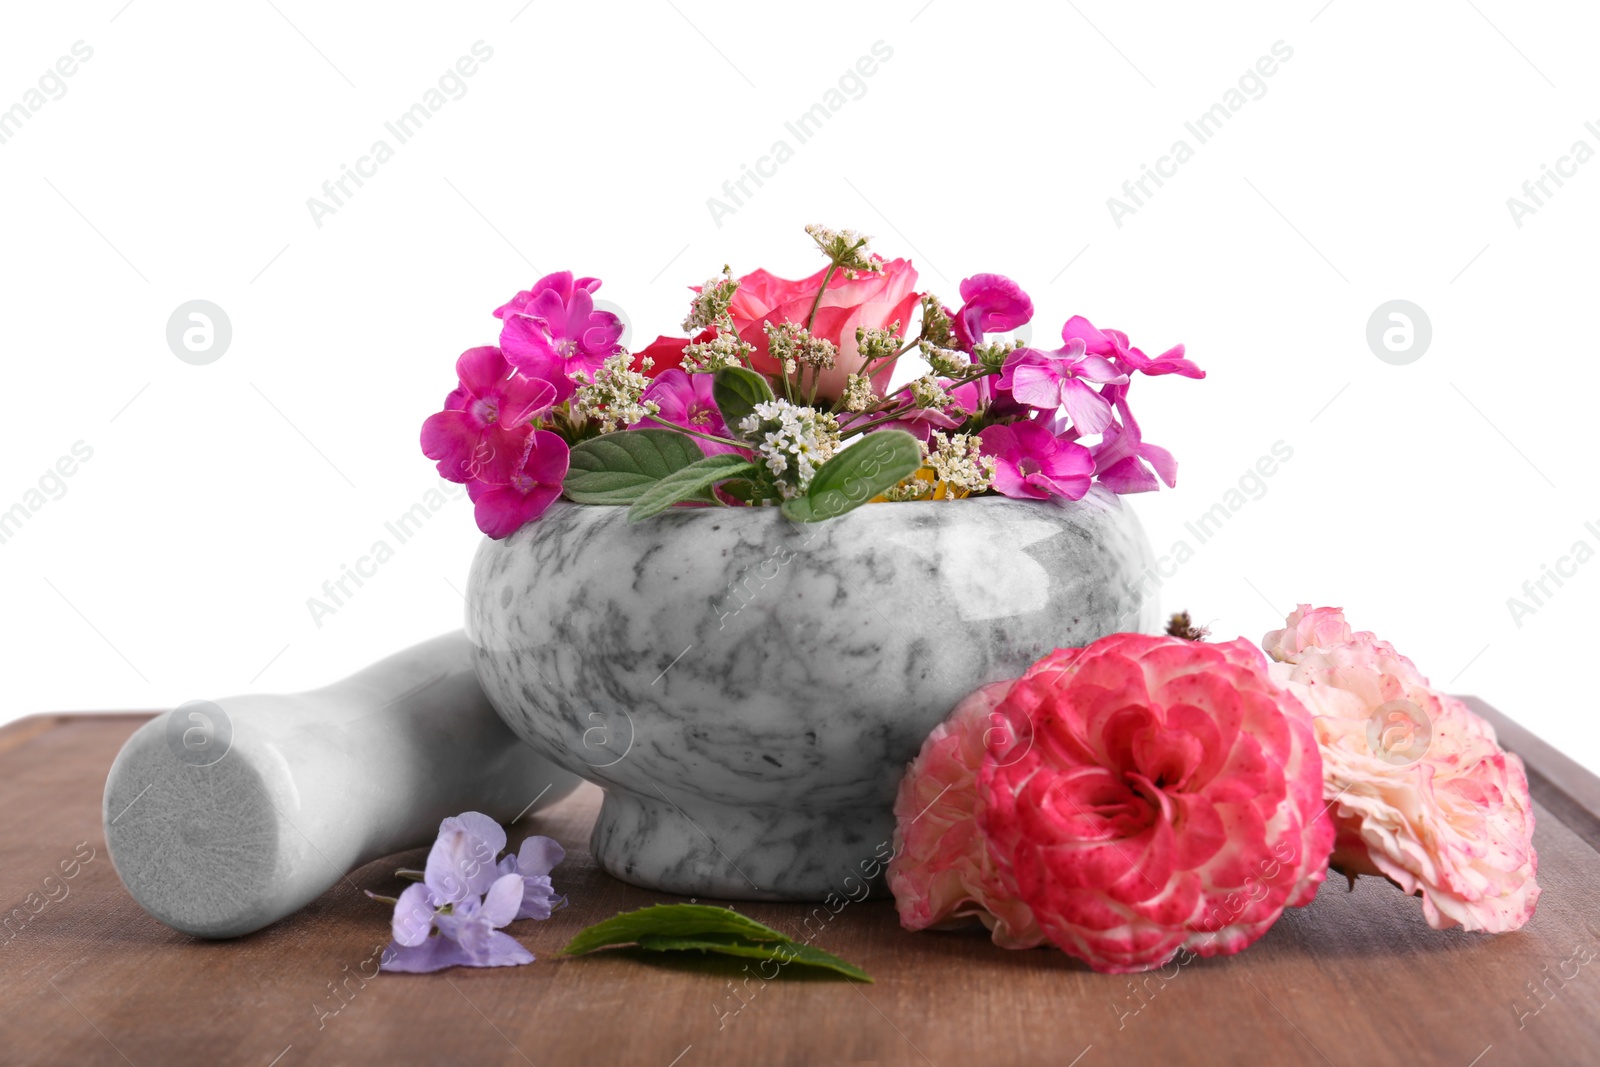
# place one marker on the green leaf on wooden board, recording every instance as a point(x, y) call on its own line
point(704, 928)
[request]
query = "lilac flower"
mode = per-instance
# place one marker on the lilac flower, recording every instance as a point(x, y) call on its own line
point(533, 863)
point(454, 915)
point(466, 933)
point(1048, 380)
point(552, 331)
point(461, 862)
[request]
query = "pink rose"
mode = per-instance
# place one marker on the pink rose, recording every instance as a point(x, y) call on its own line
point(1304, 629)
point(1420, 788)
point(871, 301)
point(942, 872)
point(1152, 795)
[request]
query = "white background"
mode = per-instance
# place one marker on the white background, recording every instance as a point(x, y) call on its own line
point(1377, 166)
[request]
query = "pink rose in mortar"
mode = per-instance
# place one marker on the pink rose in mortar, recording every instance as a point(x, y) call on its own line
point(1153, 794)
point(1421, 791)
point(853, 300)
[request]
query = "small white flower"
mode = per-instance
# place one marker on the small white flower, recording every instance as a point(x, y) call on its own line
point(928, 392)
point(726, 350)
point(614, 396)
point(858, 394)
point(846, 248)
point(710, 305)
point(792, 442)
point(958, 461)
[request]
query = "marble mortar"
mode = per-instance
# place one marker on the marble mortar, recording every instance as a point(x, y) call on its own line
point(748, 690)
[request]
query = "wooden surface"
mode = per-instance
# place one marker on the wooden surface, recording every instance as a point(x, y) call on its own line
point(1355, 979)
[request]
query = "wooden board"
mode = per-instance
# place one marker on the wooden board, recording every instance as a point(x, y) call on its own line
point(1357, 978)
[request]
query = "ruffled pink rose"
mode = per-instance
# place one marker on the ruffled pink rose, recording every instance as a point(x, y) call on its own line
point(1420, 788)
point(941, 873)
point(853, 300)
point(1150, 795)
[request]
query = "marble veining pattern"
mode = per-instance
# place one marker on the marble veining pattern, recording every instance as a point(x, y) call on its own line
point(748, 690)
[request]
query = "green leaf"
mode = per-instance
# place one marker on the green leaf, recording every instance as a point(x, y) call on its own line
point(668, 920)
point(703, 928)
point(688, 483)
point(785, 952)
point(737, 391)
point(856, 475)
point(615, 468)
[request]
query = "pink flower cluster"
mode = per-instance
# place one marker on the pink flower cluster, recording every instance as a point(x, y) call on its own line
point(1021, 421)
point(489, 435)
point(1125, 801)
point(1421, 791)
point(1150, 796)
point(1077, 391)
point(1066, 420)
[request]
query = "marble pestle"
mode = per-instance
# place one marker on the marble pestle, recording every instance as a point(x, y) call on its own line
point(224, 816)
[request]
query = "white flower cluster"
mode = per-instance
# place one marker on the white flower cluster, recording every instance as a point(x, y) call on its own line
point(858, 394)
point(614, 396)
point(873, 345)
point(710, 305)
point(847, 248)
point(928, 392)
point(937, 329)
point(792, 441)
point(950, 362)
point(791, 343)
point(725, 350)
point(958, 462)
point(993, 354)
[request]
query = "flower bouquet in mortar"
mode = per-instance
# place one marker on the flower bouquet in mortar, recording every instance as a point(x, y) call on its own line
point(782, 397)
point(743, 680)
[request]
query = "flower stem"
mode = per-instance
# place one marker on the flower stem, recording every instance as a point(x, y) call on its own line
point(695, 433)
point(898, 413)
point(826, 278)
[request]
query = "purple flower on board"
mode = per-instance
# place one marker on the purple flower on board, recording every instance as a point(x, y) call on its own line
point(453, 917)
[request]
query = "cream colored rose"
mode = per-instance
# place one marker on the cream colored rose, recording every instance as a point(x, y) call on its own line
point(1420, 788)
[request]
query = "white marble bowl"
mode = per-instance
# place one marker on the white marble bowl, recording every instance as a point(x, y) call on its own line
point(748, 691)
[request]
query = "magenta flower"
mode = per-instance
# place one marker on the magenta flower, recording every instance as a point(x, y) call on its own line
point(1031, 462)
point(486, 418)
point(1059, 379)
point(685, 400)
point(553, 330)
point(993, 303)
point(1114, 344)
point(532, 486)
point(1121, 456)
